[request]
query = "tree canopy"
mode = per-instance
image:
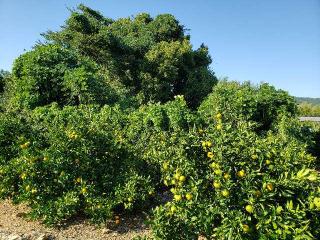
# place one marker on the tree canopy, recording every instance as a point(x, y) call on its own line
point(151, 57)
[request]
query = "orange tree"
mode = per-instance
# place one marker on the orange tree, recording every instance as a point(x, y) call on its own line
point(230, 180)
point(70, 161)
point(227, 182)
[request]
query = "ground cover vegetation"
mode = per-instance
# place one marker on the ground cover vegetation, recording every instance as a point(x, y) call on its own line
point(106, 116)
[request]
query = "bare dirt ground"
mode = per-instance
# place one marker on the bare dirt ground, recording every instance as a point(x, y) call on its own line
point(14, 226)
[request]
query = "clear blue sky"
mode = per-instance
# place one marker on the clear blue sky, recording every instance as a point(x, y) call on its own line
point(275, 41)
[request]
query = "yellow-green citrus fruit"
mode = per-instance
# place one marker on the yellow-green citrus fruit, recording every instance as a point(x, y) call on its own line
point(23, 176)
point(241, 173)
point(177, 197)
point(245, 228)
point(226, 176)
point(84, 190)
point(270, 187)
point(213, 165)
point(217, 185)
point(219, 127)
point(225, 193)
point(182, 178)
point(165, 166)
point(249, 208)
point(210, 154)
point(316, 202)
point(177, 176)
point(189, 196)
point(219, 116)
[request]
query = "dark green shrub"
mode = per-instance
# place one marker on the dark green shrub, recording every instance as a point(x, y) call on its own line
point(50, 74)
point(262, 104)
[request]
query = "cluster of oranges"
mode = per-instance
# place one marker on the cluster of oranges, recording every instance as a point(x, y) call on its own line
point(176, 181)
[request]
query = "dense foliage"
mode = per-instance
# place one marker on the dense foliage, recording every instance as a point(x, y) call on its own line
point(262, 104)
point(114, 116)
point(2, 80)
point(152, 57)
point(50, 73)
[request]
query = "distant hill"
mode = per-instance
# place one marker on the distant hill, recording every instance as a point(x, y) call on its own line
point(313, 101)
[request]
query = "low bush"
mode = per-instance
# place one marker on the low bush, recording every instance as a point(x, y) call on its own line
point(261, 104)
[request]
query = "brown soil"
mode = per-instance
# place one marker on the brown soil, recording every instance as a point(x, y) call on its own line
point(15, 226)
